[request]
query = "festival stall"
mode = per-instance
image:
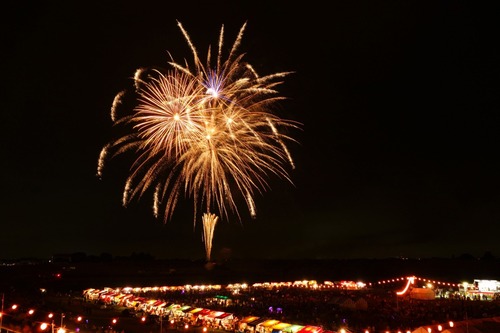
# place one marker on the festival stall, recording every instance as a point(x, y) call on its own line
point(280, 327)
point(294, 328)
point(194, 315)
point(156, 308)
point(179, 312)
point(218, 319)
point(136, 303)
point(266, 326)
point(251, 326)
point(243, 323)
point(311, 329)
point(184, 311)
point(107, 296)
point(170, 310)
point(91, 294)
point(123, 300)
point(227, 321)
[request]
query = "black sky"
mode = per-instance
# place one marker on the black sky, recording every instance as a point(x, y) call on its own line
point(398, 155)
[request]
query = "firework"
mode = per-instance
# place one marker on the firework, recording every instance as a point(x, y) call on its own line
point(209, 222)
point(205, 132)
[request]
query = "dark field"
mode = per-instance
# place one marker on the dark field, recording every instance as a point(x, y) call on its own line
point(77, 276)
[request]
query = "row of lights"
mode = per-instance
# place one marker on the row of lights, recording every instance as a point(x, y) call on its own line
point(449, 284)
point(306, 283)
point(45, 326)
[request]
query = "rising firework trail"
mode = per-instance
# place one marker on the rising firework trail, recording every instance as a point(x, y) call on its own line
point(204, 131)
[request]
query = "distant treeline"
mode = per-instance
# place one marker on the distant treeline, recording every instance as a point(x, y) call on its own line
point(78, 257)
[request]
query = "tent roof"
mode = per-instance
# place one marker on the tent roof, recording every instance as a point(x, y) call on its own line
point(249, 319)
point(280, 326)
point(269, 323)
point(293, 328)
point(310, 329)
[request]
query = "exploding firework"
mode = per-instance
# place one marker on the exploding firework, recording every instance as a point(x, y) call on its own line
point(204, 131)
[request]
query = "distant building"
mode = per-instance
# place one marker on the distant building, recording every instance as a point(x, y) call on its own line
point(481, 289)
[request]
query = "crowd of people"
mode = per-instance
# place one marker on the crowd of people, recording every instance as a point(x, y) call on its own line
point(380, 309)
point(373, 309)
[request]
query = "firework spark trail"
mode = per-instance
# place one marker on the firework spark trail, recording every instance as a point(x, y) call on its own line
point(209, 135)
point(116, 102)
point(209, 222)
point(164, 118)
point(137, 78)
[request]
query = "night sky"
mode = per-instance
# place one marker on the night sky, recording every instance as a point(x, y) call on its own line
point(398, 153)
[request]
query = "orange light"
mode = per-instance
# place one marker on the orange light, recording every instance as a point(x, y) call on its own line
point(411, 280)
